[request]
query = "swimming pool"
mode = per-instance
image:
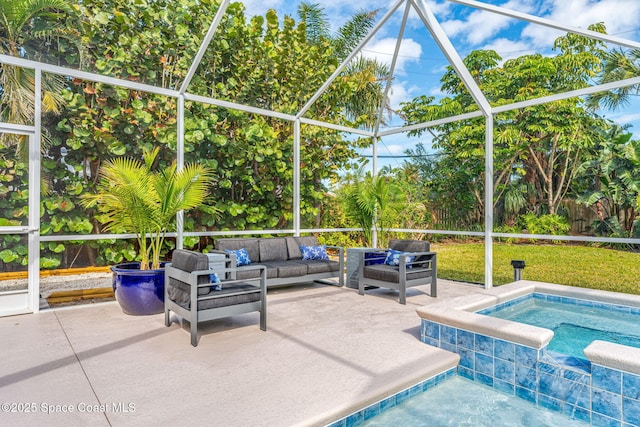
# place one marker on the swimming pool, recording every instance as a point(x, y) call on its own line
point(575, 323)
point(455, 401)
point(601, 387)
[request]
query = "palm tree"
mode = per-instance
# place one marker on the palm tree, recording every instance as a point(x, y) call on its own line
point(135, 199)
point(367, 73)
point(618, 65)
point(27, 29)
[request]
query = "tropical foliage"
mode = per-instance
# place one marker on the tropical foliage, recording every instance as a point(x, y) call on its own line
point(133, 198)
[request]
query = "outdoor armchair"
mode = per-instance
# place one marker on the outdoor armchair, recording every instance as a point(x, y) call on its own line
point(190, 293)
point(407, 263)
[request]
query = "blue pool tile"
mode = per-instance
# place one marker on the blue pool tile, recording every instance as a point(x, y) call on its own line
point(527, 394)
point(416, 389)
point(430, 383)
point(466, 373)
point(484, 364)
point(388, 403)
point(355, 419)
point(549, 368)
point(549, 403)
point(552, 386)
point(447, 334)
point(526, 356)
point(577, 413)
point(577, 377)
point(467, 358)
point(449, 347)
point(371, 411)
point(599, 420)
point(605, 403)
point(631, 411)
point(578, 394)
point(484, 379)
point(504, 387)
point(505, 350)
point(553, 298)
point(432, 330)
point(504, 370)
point(402, 396)
point(526, 377)
point(484, 344)
point(584, 303)
point(606, 379)
point(465, 339)
point(631, 385)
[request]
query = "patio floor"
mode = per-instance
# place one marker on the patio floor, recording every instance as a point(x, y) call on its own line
point(327, 352)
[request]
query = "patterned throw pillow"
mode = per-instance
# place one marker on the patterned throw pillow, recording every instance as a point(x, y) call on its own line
point(393, 258)
point(242, 256)
point(314, 253)
point(216, 284)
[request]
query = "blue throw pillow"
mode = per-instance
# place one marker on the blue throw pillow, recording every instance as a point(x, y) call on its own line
point(318, 253)
point(393, 258)
point(216, 284)
point(242, 256)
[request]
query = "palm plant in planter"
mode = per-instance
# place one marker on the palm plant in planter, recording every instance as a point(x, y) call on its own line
point(133, 198)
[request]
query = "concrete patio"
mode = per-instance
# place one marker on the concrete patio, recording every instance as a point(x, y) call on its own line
point(328, 351)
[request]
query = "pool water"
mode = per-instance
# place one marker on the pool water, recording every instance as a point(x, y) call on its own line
point(461, 402)
point(574, 326)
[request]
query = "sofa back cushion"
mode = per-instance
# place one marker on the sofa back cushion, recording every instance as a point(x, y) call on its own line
point(294, 243)
point(409, 245)
point(234, 243)
point(273, 249)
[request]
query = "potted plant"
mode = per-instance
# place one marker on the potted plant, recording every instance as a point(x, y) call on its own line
point(134, 198)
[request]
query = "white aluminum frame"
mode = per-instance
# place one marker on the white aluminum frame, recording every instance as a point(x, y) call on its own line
point(181, 94)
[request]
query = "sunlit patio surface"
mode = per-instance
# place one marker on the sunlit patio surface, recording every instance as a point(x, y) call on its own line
point(328, 351)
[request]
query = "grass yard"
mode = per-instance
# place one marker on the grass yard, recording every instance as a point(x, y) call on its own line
point(583, 266)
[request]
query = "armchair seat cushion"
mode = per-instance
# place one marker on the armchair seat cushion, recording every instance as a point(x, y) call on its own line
point(388, 273)
point(231, 294)
point(237, 293)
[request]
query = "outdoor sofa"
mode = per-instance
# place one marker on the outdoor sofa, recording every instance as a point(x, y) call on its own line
point(405, 264)
point(283, 258)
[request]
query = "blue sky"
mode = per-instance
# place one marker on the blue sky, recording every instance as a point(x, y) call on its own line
point(420, 62)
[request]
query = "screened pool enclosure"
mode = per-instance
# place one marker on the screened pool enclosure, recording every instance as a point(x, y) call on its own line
point(175, 96)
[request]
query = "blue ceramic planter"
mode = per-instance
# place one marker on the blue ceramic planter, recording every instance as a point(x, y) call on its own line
point(139, 292)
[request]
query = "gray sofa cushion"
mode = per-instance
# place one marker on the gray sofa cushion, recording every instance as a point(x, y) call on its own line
point(390, 273)
point(188, 261)
point(244, 273)
point(409, 245)
point(287, 268)
point(317, 266)
point(294, 243)
point(250, 244)
point(274, 249)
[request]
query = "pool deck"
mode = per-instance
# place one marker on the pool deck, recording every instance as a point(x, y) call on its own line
point(328, 351)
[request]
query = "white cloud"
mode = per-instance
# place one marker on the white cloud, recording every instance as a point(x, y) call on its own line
point(480, 26)
point(508, 49)
point(627, 118)
point(382, 50)
point(401, 91)
point(618, 16)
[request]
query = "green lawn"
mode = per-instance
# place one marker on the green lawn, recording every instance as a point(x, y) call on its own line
point(583, 266)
